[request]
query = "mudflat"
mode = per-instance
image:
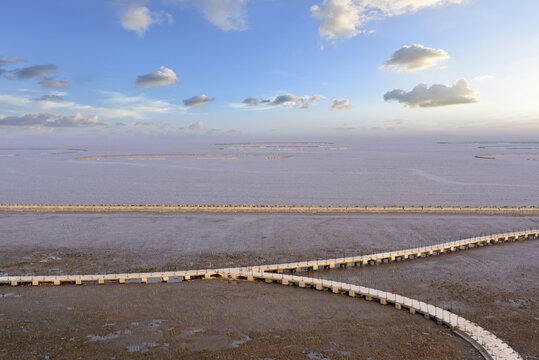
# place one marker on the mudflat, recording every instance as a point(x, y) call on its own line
point(494, 286)
point(43, 243)
point(212, 319)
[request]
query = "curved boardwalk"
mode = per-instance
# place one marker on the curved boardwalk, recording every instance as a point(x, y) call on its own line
point(489, 345)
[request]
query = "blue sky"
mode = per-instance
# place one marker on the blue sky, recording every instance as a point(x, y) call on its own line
point(308, 66)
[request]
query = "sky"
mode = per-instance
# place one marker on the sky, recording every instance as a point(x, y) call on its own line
point(207, 67)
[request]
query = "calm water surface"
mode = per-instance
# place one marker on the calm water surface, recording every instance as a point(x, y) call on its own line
point(342, 173)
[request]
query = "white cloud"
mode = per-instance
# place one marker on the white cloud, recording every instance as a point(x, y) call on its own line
point(116, 106)
point(484, 77)
point(14, 100)
point(199, 125)
point(341, 104)
point(76, 120)
point(414, 57)
point(400, 7)
point(435, 96)
point(199, 100)
point(342, 19)
point(225, 14)
point(288, 100)
point(157, 78)
point(135, 16)
point(306, 101)
point(137, 107)
point(49, 120)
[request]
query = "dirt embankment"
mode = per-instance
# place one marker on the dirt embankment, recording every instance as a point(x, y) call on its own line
point(486, 210)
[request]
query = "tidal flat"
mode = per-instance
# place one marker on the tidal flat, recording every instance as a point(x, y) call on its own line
point(494, 286)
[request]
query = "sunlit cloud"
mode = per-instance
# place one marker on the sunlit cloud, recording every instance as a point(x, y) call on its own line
point(341, 104)
point(287, 100)
point(157, 78)
point(199, 100)
point(49, 120)
point(342, 19)
point(414, 58)
point(115, 106)
point(225, 14)
point(14, 100)
point(435, 96)
point(135, 16)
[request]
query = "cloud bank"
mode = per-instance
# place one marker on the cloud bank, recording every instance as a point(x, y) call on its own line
point(157, 78)
point(414, 58)
point(435, 96)
point(115, 106)
point(199, 100)
point(342, 19)
point(341, 104)
point(50, 120)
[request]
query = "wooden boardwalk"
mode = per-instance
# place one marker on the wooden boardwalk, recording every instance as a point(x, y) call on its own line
point(313, 265)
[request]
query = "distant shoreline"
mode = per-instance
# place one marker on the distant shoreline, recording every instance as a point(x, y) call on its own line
point(154, 208)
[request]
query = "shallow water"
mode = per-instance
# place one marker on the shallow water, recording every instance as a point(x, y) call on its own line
point(384, 172)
